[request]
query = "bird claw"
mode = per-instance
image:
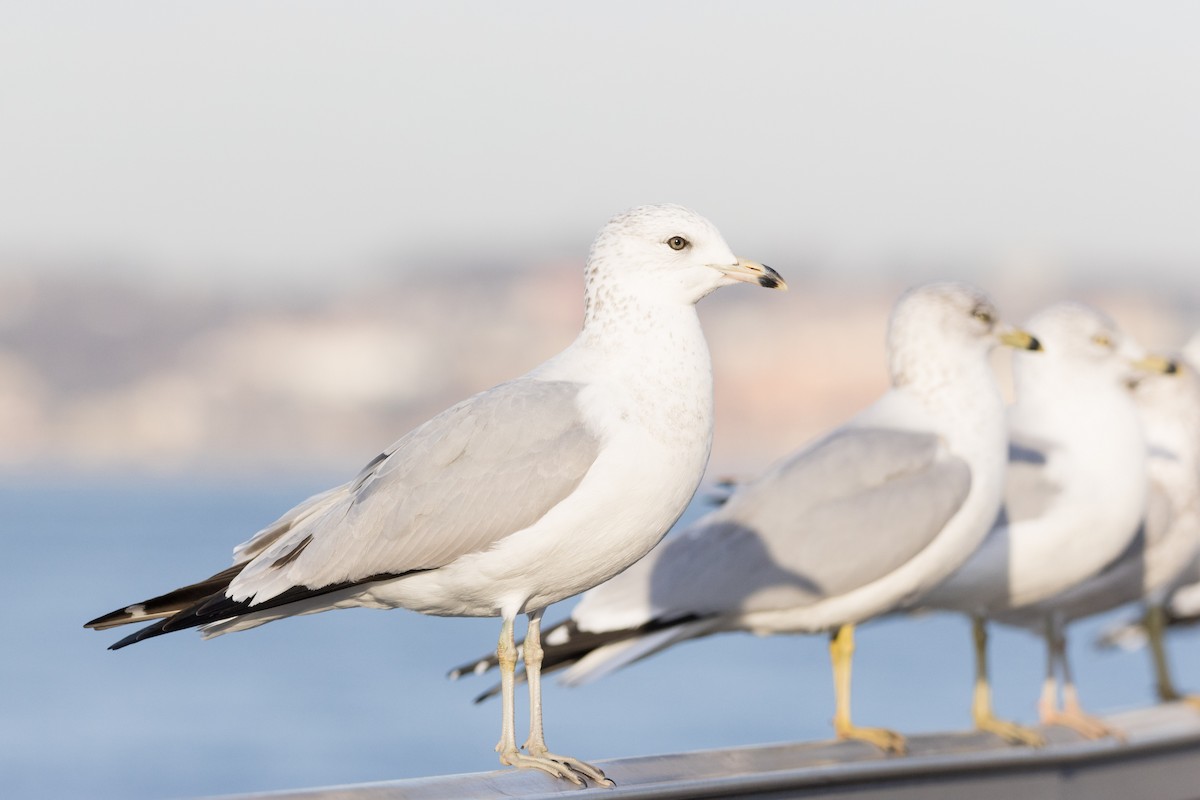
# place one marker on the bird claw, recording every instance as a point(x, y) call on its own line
point(1011, 732)
point(1081, 722)
point(886, 740)
point(571, 769)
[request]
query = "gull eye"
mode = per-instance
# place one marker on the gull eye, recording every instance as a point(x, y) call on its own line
point(1104, 340)
point(678, 243)
point(983, 315)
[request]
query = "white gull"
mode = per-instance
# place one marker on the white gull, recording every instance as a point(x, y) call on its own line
point(1076, 487)
point(522, 495)
point(1168, 539)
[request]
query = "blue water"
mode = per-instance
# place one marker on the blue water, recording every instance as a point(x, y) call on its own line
point(361, 695)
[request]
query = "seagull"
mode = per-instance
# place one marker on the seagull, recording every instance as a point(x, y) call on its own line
point(520, 496)
point(1076, 491)
point(1169, 538)
point(1179, 605)
point(853, 525)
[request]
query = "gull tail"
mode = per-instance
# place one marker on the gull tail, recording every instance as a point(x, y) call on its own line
point(169, 604)
point(185, 607)
point(205, 603)
point(611, 657)
point(587, 656)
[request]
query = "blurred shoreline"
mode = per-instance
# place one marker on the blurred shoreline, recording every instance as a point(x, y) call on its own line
point(114, 375)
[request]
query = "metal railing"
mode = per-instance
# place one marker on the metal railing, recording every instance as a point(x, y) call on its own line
point(1159, 760)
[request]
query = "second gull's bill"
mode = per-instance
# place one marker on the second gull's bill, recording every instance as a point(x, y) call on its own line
point(520, 496)
point(850, 527)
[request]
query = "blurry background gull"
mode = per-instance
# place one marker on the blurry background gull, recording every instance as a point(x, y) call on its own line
point(1075, 488)
point(1167, 541)
point(1180, 607)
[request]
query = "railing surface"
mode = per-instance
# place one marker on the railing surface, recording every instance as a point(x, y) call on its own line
point(1159, 760)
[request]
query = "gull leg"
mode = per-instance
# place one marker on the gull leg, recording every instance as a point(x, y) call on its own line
point(1048, 702)
point(1072, 715)
point(841, 652)
point(1155, 623)
point(506, 655)
point(571, 768)
point(981, 708)
point(510, 754)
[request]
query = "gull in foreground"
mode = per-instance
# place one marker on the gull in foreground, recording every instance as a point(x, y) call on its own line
point(520, 496)
point(854, 524)
point(1075, 493)
point(1169, 538)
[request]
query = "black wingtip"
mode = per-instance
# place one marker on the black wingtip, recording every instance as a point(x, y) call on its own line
point(109, 620)
point(141, 634)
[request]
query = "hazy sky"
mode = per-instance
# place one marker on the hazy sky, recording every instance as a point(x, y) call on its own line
point(272, 141)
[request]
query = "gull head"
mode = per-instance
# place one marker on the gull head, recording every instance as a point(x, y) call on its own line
point(1084, 345)
point(1169, 404)
point(665, 254)
point(939, 325)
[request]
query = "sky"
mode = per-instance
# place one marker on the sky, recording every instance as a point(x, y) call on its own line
point(300, 142)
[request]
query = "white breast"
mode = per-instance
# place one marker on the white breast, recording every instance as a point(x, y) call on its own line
point(649, 399)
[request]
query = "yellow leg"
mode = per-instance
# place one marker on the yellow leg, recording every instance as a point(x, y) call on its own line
point(1155, 622)
point(981, 707)
point(841, 652)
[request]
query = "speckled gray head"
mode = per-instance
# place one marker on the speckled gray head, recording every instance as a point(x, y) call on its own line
point(667, 254)
point(945, 317)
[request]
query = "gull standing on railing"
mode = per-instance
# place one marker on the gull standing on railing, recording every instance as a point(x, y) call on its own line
point(1169, 538)
point(522, 495)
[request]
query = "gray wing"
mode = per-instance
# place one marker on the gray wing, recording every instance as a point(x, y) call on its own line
point(476, 473)
point(1028, 491)
point(837, 516)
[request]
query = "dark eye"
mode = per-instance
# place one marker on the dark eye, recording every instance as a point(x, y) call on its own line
point(678, 243)
point(983, 315)
point(1104, 340)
